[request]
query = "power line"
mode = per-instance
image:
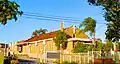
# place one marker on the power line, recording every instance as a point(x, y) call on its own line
point(51, 15)
point(100, 27)
point(41, 18)
point(57, 18)
point(65, 19)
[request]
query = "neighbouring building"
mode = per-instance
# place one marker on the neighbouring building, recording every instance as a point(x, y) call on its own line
point(38, 46)
point(2, 45)
point(3, 48)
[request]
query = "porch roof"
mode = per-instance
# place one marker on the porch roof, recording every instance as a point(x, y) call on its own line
point(79, 39)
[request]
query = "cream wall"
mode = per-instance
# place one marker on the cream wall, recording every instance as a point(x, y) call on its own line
point(41, 47)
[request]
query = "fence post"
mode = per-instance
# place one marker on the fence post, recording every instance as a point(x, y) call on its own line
point(79, 58)
point(88, 57)
point(70, 58)
point(92, 56)
point(84, 58)
point(75, 57)
point(63, 56)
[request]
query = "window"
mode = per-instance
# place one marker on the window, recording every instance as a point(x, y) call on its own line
point(19, 48)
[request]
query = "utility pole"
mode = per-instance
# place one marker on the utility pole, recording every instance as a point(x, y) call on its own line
point(60, 61)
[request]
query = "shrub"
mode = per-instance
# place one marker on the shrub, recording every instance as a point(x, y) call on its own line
point(14, 62)
point(21, 54)
point(11, 60)
point(66, 62)
point(38, 61)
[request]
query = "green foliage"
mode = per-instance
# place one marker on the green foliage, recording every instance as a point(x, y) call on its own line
point(66, 62)
point(118, 46)
point(21, 55)
point(99, 46)
point(57, 61)
point(105, 46)
point(61, 38)
point(11, 60)
point(112, 16)
point(38, 32)
point(14, 62)
point(8, 11)
point(38, 61)
point(88, 25)
point(80, 47)
point(108, 46)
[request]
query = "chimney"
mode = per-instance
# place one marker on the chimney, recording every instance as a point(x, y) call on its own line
point(61, 26)
point(74, 31)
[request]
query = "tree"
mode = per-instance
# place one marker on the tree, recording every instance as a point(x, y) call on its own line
point(104, 46)
point(112, 16)
point(61, 38)
point(38, 32)
point(89, 25)
point(80, 47)
point(99, 46)
point(8, 11)
point(108, 46)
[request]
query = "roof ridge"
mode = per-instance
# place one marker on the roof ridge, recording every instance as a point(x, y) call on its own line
point(58, 30)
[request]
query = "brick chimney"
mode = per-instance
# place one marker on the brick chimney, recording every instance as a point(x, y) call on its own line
point(61, 26)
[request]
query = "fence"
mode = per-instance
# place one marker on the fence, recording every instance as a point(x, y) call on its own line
point(81, 58)
point(85, 58)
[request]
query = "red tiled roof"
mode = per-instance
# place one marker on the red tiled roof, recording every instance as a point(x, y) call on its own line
point(42, 36)
point(52, 34)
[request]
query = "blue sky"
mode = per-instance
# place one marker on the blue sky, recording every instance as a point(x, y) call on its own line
point(23, 27)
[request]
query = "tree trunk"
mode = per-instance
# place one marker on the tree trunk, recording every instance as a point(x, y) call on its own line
point(94, 39)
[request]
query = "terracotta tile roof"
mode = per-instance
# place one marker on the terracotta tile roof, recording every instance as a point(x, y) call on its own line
point(68, 30)
point(42, 36)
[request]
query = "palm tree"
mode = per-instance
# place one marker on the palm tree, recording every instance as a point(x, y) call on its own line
point(38, 32)
point(89, 25)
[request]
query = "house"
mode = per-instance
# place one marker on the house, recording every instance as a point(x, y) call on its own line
point(37, 46)
point(3, 45)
